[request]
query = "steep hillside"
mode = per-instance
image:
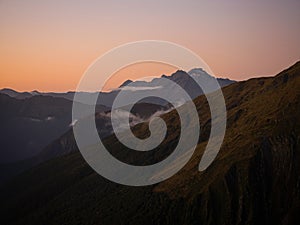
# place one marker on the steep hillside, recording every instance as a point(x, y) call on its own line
point(255, 178)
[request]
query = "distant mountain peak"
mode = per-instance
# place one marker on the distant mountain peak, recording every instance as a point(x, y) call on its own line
point(125, 83)
point(8, 90)
point(198, 72)
point(178, 74)
point(199, 69)
point(35, 92)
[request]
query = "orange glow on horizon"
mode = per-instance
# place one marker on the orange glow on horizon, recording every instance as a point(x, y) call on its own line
point(48, 45)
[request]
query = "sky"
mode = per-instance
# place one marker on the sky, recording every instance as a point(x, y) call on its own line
point(47, 45)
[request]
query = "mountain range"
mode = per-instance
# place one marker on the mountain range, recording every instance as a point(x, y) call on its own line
point(255, 178)
point(183, 79)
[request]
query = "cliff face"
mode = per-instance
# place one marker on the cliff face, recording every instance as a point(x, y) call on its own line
point(262, 189)
point(255, 178)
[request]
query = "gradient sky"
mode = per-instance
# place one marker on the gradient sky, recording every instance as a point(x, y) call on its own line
point(47, 45)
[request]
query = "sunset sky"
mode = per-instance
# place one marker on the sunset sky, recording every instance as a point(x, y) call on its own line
point(47, 45)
